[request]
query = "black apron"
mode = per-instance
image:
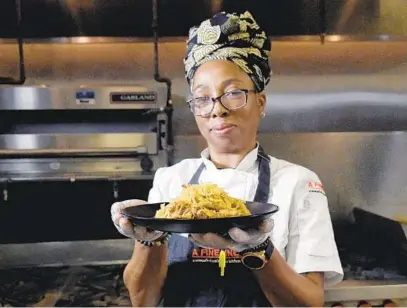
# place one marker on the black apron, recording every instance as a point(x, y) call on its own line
point(193, 278)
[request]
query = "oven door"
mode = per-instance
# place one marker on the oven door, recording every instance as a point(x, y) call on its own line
point(45, 211)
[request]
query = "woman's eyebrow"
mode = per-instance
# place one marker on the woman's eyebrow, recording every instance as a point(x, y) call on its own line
point(200, 87)
point(230, 81)
point(224, 84)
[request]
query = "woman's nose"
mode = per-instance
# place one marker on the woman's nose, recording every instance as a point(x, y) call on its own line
point(219, 111)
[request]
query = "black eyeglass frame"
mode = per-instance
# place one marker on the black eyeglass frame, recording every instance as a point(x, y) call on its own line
point(219, 99)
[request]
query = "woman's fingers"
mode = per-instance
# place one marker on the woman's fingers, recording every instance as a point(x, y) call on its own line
point(240, 236)
point(125, 227)
point(267, 225)
point(210, 240)
point(239, 239)
point(252, 236)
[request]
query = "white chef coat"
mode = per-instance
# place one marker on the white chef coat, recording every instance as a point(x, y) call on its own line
point(302, 232)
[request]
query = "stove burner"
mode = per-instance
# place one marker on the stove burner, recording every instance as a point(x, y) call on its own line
point(358, 273)
point(357, 266)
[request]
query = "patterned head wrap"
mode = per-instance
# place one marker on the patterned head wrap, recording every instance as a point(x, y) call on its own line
point(232, 37)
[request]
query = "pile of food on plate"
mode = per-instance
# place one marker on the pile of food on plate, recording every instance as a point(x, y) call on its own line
point(202, 201)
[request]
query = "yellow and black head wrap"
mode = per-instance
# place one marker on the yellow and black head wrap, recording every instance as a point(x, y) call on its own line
point(232, 37)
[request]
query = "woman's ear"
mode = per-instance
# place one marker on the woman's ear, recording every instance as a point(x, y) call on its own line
point(261, 99)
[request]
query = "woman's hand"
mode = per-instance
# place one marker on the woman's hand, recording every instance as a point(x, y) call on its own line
point(239, 240)
point(126, 228)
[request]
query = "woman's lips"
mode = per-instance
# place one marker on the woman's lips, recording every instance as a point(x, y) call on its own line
point(222, 129)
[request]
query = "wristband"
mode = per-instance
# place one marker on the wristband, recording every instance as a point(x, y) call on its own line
point(260, 247)
point(158, 242)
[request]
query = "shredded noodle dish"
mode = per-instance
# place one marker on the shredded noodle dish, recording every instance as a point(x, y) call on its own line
point(202, 201)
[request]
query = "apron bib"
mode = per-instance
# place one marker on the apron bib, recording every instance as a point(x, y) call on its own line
point(193, 278)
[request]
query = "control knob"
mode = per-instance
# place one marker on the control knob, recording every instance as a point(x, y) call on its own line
point(146, 163)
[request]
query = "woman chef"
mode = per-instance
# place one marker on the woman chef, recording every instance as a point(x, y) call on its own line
point(285, 263)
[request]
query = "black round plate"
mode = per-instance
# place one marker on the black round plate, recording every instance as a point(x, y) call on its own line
point(143, 215)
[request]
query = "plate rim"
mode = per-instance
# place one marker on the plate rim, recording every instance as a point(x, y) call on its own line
point(276, 209)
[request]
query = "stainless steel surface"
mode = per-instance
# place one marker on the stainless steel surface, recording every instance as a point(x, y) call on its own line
point(338, 108)
point(360, 78)
point(60, 97)
point(75, 169)
point(366, 17)
point(354, 291)
point(144, 142)
point(298, 66)
point(66, 146)
point(319, 110)
point(62, 150)
point(66, 253)
point(353, 90)
point(357, 168)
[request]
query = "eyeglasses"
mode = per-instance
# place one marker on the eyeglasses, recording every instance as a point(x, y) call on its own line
point(231, 100)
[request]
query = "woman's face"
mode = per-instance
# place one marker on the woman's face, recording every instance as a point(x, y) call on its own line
point(227, 131)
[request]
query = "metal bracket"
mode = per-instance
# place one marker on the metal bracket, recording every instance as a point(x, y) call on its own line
point(322, 17)
point(168, 109)
point(21, 79)
point(115, 190)
point(5, 192)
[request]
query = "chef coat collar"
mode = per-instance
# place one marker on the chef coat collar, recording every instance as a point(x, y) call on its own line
point(247, 163)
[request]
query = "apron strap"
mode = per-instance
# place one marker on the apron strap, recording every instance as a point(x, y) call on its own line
point(197, 175)
point(263, 187)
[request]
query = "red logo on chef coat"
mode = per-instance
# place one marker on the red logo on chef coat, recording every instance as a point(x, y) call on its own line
point(316, 187)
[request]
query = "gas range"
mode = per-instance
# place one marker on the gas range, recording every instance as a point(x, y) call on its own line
point(368, 282)
point(90, 286)
point(98, 282)
point(373, 256)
